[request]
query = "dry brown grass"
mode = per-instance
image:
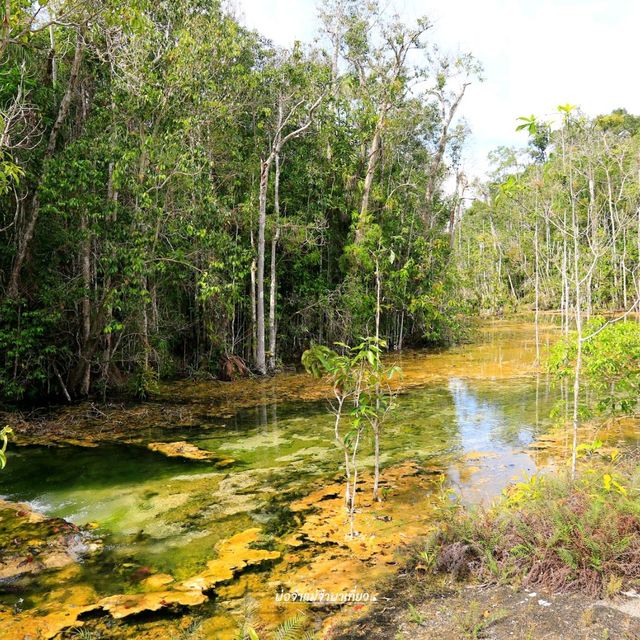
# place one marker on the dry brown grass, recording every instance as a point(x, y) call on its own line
point(562, 536)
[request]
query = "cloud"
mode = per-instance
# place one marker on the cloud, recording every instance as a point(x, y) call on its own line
point(536, 54)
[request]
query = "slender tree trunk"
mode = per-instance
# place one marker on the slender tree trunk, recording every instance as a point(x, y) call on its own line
point(372, 163)
point(537, 285)
point(146, 346)
point(261, 362)
point(273, 328)
point(575, 228)
point(340, 442)
point(52, 54)
point(638, 258)
point(565, 282)
point(85, 270)
point(376, 420)
point(354, 482)
point(433, 172)
point(24, 241)
point(254, 315)
point(623, 268)
point(577, 372)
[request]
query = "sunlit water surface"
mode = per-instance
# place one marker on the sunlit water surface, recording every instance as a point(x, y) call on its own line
point(471, 412)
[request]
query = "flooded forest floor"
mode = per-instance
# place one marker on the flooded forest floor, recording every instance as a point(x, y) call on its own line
point(190, 515)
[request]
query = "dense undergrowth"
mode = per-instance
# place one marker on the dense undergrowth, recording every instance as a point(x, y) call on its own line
point(550, 532)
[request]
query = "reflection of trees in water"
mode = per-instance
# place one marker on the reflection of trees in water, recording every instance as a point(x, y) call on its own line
point(500, 414)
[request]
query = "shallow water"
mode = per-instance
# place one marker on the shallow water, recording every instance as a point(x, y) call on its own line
point(470, 413)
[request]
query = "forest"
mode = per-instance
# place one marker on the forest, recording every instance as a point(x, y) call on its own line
point(179, 194)
point(230, 270)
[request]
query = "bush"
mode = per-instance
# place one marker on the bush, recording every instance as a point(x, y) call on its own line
point(552, 533)
point(610, 363)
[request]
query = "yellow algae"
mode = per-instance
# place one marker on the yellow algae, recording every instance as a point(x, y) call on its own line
point(234, 554)
point(220, 627)
point(157, 581)
point(62, 611)
point(250, 583)
point(80, 443)
point(188, 451)
point(338, 562)
point(79, 595)
point(27, 626)
point(121, 606)
point(66, 605)
point(293, 540)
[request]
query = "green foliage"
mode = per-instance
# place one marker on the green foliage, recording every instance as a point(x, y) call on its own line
point(5, 432)
point(474, 622)
point(361, 382)
point(415, 616)
point(611, 363)
point(28, 346)
point(291, 629)
point(553, 532)
point(619, 121)
point(515, 244)
point(141, 176)
point(357, 373)
point(10, 173)
point(144, 382)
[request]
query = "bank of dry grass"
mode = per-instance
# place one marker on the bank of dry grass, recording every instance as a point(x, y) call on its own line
point(550, 533)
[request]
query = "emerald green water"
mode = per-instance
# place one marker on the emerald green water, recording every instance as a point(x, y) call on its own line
point(472, 417)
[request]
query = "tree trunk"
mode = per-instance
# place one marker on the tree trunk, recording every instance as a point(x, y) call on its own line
point(273, 327)
point(436, 162)
point(372, 163)
point(537, 285)
point(254, 316)
point(261, 363)
point(63, 110)
point(376, 423)
point(85, 270)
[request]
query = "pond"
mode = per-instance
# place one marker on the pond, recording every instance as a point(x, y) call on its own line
point(468, 415)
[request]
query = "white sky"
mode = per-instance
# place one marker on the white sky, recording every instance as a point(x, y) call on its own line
point(536, 54)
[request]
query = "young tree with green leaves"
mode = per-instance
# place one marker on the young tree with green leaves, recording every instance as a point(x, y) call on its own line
point(359, 382)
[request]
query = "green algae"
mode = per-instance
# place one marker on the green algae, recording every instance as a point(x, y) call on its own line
point(470, 413)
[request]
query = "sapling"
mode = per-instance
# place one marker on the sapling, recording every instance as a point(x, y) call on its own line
point(358, 380)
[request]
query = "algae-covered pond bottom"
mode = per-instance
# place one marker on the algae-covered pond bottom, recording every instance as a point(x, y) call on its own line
point(469, 413)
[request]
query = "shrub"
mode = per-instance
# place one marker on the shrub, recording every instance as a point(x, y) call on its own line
point(552, 533)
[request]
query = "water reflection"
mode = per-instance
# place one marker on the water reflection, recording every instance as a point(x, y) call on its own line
point(469, 413)
point(494, 429)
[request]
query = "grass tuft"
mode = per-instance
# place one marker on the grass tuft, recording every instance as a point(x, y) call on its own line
point(551, 533)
